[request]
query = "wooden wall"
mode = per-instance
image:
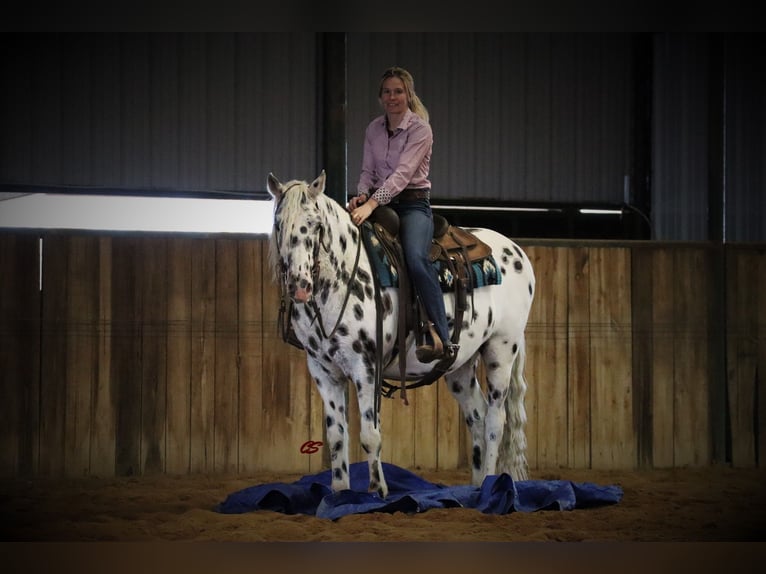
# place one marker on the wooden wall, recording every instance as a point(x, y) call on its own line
point(159, 354)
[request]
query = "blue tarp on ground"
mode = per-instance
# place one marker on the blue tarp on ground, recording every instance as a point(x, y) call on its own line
point(498, 494)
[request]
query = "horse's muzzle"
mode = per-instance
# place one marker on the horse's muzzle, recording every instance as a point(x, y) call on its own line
point(300, 290)
point(301, 295)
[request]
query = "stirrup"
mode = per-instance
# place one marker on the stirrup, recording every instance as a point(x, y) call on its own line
point(430, 353)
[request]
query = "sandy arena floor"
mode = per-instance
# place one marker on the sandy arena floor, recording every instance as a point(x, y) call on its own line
point(713, 504)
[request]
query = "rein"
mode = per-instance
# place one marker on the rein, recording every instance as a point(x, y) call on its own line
point(315, 274)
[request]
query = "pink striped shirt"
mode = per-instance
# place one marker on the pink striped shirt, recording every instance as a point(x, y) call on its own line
point(391, 164)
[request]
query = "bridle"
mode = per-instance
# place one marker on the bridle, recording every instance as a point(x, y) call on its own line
point(285, 312)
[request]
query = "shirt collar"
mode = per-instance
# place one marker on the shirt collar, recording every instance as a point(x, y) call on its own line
point(409, 116)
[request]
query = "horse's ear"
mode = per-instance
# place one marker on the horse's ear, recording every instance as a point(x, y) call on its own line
point(274, 186)
point(317, 186)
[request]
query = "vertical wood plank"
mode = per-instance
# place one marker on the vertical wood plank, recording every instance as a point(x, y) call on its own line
point(202, 356)
point(547, 400)
point(579, 363)
point(81, 355)
point(125, 368)
point(226, 377)
point(692, 433)
point(53, 368)
point(401, 433)
point(251, 268)
point(741, 354)
point(426, 413)
point(388, 438)
point(663, 358)
point(549, 371)
point(536, 348)
point(298, 421)
point(642, 274)
point(179, 360)
point(19, 354)
point(448, 420)
point(153, 284)
point(276, 371)
point(104, 408)
point(613, 441)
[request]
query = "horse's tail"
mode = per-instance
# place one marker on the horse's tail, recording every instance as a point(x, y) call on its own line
point(512, 457)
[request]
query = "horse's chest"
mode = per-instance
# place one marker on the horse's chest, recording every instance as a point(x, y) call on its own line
point(330, 332)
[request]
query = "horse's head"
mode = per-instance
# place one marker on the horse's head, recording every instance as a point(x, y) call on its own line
point(297, 234)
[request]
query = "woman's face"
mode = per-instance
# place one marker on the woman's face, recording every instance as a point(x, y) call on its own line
point(393, 96)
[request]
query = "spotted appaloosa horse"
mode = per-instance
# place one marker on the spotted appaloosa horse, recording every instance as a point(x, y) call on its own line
point(316, 254)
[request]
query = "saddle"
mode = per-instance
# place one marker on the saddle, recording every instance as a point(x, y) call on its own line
point(454, 247)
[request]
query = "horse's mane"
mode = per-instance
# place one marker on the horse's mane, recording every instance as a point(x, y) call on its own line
point(292, 209)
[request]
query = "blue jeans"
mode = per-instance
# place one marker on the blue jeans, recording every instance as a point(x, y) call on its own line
point(416, 230)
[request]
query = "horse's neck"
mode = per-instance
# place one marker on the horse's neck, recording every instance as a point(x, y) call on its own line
point(343, 242)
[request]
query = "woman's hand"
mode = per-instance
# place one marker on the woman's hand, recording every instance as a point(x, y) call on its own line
point(360, 214)
point(356, 201)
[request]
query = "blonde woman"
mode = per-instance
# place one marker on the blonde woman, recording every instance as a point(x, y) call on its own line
point(395, 168)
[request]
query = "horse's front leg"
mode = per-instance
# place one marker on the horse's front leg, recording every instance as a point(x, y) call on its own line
point(370, 434)
point(334, 398)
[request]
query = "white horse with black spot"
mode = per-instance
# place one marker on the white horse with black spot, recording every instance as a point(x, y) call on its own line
point(316, 254)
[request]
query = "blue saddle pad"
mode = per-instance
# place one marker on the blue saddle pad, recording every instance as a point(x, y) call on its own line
point(483, 272)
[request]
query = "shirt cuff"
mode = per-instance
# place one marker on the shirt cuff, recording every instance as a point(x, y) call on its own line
point(382, 196)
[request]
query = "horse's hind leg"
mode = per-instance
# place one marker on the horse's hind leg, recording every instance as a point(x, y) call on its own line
point(506, 416)
point(465, 387)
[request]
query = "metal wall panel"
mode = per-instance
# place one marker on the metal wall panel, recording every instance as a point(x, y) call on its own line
point(680, 137)
point(683, 144)
point(188, 112)
point(516, 117)
point(745, 106)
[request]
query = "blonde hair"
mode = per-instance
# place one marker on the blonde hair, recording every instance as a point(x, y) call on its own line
point(413, 101)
